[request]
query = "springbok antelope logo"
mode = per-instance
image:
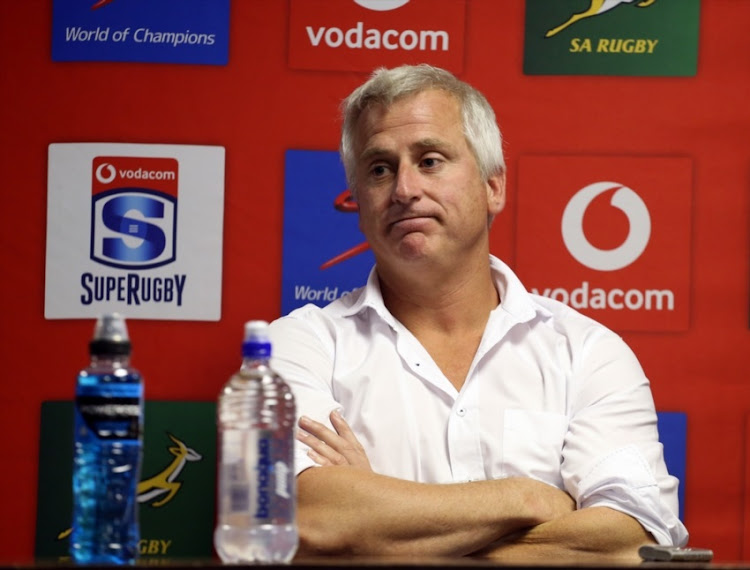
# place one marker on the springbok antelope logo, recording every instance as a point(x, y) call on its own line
point(164, 481)
point(597, 7)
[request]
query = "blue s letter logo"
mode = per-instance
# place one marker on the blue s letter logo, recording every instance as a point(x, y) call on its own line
point(133, 229)
point(151, 237)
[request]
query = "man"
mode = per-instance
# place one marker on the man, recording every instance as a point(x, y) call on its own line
point(444, 410)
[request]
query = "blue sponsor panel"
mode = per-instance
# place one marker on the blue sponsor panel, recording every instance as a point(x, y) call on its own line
point(159, 31)
point(673, 436)
point(324, 253)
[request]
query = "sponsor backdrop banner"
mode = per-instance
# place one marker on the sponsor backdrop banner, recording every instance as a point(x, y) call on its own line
point(164, 31)
point(325, 254)
point(360, 35)
point(585, 96)
point(135, 229)
point(616, 37)
point(616, 234)
point(177, 488)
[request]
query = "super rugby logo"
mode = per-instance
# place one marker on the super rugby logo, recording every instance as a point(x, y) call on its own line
point(626, 253)
point(134, 212)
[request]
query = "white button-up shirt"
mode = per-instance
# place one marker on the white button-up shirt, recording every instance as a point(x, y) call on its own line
point(551, 394)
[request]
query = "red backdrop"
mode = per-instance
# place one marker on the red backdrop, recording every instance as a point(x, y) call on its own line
point(257, 107)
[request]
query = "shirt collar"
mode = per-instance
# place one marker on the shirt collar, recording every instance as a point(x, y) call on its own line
point(515, 301)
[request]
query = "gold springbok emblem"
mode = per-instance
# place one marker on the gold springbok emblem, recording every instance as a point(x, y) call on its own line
point(597, 7)
point(164, 481)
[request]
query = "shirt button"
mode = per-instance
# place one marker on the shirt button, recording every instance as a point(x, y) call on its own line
point(461, 412)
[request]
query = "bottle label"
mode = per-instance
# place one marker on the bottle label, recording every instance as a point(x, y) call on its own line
point(273, 479)
point(111, 418)
point(257, 481)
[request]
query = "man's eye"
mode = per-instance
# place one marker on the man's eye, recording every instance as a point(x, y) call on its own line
point(378, 170)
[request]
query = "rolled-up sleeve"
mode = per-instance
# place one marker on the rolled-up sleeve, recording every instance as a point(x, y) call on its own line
point(303, 355)
point(612, 455)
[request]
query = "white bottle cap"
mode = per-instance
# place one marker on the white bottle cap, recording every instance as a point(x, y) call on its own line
point(110, 335)
point(256, 331)
point(111, 326)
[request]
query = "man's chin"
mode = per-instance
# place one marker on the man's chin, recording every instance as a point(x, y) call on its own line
point(414, 247)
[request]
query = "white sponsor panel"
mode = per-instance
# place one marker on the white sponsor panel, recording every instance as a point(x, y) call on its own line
point(126, 234)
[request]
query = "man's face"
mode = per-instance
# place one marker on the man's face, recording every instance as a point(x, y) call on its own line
point(420, 194)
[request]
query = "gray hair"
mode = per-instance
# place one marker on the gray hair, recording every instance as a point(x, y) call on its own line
point(388, 85)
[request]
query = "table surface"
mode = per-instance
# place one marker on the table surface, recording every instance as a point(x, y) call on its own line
point(382, 563)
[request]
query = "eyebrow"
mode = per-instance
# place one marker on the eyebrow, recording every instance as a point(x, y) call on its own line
point(429, 143)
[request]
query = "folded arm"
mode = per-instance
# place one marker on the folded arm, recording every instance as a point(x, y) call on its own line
point(343, 509)
point(346, 508)
point(593, 534)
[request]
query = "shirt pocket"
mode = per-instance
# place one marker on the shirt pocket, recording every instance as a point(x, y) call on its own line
point(533, 443)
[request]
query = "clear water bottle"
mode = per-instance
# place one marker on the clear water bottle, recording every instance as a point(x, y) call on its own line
point(257, 489)
point(107, 450)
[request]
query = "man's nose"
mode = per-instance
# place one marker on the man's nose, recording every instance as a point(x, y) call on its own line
point(407, 185)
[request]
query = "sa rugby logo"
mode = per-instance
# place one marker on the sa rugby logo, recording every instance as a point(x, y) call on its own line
point(176, 494)
point(161, 488)
point(595, 8)
point(611, 37)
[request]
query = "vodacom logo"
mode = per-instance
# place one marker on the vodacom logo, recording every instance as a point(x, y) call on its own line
point(381, 5)
point(581, 249)
point(105, 173)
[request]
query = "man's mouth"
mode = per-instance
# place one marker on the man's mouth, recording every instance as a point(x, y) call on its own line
point(410, 220)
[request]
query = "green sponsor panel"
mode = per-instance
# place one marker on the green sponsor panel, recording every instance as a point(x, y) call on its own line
point(176, 492)
point(611, 37)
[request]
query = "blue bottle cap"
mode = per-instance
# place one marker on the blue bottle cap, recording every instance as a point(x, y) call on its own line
point(257, 343)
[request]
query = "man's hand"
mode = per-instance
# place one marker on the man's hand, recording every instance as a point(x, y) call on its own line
point(405, 517)
point(594, 534)
point(333, 448)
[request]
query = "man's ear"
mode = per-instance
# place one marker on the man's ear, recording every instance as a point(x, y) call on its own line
point(496, 194)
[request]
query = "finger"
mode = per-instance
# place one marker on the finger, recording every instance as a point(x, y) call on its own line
point(346, 432)
point(321, 448)
point(319, 430)
point(317, 458)
point(338, 449)
point(321, 453)
point(340, 425)
point(342, 428)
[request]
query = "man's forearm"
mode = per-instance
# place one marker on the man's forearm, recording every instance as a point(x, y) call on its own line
point(348, 510)
point(586, 535)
